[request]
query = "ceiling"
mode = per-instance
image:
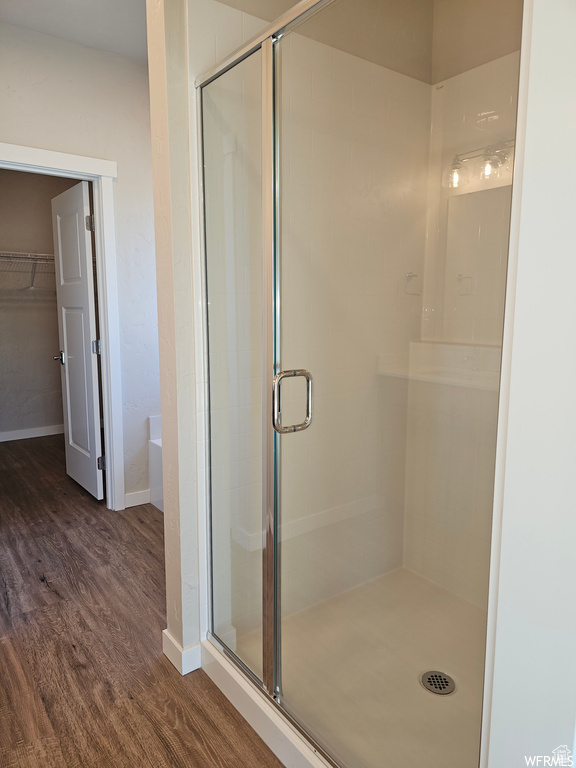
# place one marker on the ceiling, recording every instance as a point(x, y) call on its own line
point(426, 39)
point(116, 26)
point(395, 34)
point(430, 40)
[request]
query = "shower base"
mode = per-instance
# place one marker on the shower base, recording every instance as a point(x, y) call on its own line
point(352, 666)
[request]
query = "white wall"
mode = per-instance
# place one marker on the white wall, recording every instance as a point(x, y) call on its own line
point(69, 98)
point(172, 150)
point(534, 700)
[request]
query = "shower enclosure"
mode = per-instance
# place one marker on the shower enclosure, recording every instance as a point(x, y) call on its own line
point(356, 216)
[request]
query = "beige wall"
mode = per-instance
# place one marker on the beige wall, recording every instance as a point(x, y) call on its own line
point(29, 378)
point(25, 212)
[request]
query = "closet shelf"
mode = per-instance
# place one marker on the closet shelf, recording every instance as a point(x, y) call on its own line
point(32, 258)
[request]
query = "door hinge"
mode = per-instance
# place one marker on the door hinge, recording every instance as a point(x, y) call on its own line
point(101, 462)
point(90, 223)
point(97, 347)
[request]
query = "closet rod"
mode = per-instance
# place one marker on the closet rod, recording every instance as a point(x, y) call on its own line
point(36, 258)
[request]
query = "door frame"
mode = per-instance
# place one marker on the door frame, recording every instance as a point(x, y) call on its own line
point(102, 174)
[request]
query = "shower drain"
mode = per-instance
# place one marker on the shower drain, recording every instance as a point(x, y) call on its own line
point(438, 682)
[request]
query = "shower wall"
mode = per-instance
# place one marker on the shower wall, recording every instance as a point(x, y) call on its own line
point(454, 371)
point(473, 110)
point(354, 155)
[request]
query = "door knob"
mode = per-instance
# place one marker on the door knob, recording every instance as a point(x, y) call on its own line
point(59, 357)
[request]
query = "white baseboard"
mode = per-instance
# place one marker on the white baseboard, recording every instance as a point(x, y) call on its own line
point(24, 434)
point(288, 745)
point(136, 497)
point(184, 659)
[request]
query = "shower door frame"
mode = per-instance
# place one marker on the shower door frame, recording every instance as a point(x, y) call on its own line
point(270, 685)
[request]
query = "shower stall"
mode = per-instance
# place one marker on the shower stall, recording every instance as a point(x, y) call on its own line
point(356, 222)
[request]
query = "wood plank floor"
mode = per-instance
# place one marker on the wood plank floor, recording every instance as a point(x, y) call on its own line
point(83, 682)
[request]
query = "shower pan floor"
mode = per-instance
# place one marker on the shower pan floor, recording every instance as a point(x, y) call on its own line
point(351, 669)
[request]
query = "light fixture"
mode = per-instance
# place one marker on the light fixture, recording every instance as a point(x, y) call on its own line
point(491, 160)
point(456, 175)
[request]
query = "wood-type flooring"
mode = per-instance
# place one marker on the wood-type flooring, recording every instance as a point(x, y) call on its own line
point(83, 682)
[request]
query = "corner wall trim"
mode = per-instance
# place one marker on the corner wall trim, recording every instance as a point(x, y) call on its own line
point(25, 434)
point(184, 659)
point(286, 743)
point(137, 497)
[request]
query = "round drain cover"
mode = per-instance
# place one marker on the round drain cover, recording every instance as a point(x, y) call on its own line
point(438, 682)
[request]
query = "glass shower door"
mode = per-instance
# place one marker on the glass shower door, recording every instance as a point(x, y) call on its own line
point(232, 150)
point(352, 223)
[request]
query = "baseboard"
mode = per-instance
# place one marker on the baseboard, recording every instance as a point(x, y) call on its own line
point(25, 434)
point(136, 497)
point(288, 745)
point(184, 659)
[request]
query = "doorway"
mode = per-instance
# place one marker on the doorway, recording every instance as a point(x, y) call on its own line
point(48, 286)
point(100, 173)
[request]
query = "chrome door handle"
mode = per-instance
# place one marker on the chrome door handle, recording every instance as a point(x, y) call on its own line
point(59, 357)
point(276, 416)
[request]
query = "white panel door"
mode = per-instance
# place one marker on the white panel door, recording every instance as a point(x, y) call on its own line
point(77, 331)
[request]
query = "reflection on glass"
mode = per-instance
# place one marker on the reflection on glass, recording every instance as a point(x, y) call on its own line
point(232, 116)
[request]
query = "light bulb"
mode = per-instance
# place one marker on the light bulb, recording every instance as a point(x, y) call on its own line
point(455, 175)
point(491, 163)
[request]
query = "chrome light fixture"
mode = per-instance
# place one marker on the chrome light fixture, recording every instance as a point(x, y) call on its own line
point(492, 159)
